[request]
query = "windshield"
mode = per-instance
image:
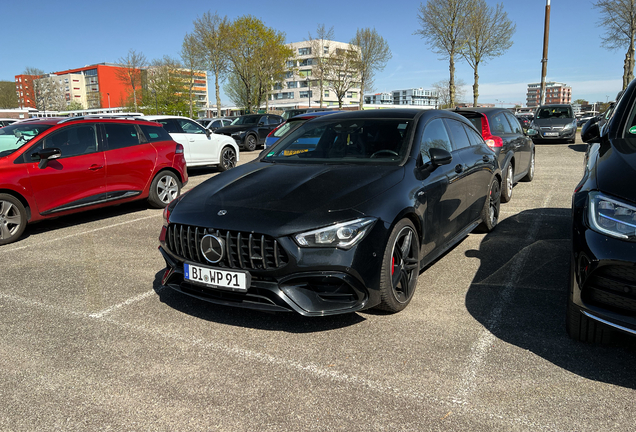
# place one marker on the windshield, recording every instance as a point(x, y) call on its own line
point(554, 112)
point(344, 141)
point(246, 120)
point(14, 136)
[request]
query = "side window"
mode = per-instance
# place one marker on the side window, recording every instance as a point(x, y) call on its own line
point(263, 121)
point(434, 136)
point(190, 127)
point(458, 134)
point(516, 127)
point(474, 138)
point(72, 141)
point(121, 135)
point(155, 133)
point(274, 121)
point(499, 125)
point(170, 125)
point(216, 124)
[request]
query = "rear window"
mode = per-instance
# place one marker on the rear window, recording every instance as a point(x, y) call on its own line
point(155, 133)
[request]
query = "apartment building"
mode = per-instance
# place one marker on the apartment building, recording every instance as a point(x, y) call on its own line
point(555, 93)
point(24, 90)
point(413, 97)
point(300, 88)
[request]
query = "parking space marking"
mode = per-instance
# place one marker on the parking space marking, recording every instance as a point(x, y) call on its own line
point(3, 250)
point(479, 350)
point(130, 301)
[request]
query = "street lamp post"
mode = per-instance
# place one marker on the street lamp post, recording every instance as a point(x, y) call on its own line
point(108, 94)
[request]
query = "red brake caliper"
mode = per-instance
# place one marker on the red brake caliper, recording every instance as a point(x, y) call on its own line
point(392, 265)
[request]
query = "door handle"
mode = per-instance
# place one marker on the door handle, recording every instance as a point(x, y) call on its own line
point(459, 168)
point(95, 167)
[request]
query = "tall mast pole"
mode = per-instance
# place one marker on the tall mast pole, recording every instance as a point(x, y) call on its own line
point(544, 60)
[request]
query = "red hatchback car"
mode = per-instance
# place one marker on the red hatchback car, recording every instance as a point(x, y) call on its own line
point(54, 167)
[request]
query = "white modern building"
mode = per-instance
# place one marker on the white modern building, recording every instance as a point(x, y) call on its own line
point(300, 87)
point(412, 97)
point(555, 93)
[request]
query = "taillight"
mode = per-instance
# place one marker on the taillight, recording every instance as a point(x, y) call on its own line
point(271, 134)
point(179, 149)
point(494, 141)
point(166, 215)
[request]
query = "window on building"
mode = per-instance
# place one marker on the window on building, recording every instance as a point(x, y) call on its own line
point(292, 84)
point(289, 74)
point(326, 93)
point(305, 62)
point(291, 63)
point(325, 50)
point(305, 94)
point(304, 51)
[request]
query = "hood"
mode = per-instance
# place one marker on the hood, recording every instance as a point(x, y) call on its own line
point(616, 169)
point(228, 130)
point(549, 122)
point(280, 199)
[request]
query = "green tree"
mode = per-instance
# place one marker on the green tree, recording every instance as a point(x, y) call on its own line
point(442, 26)
point(257, 55)
point(373, 55)
point(488, 34)
point(165, 89)
point(580, 102)
point(443, 96)
point(8, 95)
point(210, 41)
point(74, 106)
point(619, 19)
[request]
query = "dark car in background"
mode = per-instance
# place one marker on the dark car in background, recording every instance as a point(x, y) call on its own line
point(514, 148)
point(346, 225)
point(250, 131)
point(287, 114)
point(555, 122)
point(53, 167)
point(291, 125)
point(215, 123)
point(602, 295)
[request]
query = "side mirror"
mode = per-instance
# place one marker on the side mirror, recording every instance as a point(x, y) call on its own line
point(45, 155)
point(208, 132)
point(590, 131)
point(440, 156)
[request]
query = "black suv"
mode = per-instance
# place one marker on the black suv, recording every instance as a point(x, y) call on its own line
point(251, 130)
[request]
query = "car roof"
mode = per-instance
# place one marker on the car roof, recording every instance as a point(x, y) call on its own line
point(158, 117)
point(408, 113)
point(555, 105)
point(314, 114)
point(484, 110)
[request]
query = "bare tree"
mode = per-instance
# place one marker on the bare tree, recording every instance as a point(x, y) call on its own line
point(442, 26)
point(191, 56)
point(443, 95)
point(165, 85)
point(341, 72)
point(488, 34)
point(321, 48)
point(619, 19)
point(130, 72)
point(373, 55)
point(211, 38)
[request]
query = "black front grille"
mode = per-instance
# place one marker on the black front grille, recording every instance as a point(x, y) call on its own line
point(613, 287)
point(243, 250)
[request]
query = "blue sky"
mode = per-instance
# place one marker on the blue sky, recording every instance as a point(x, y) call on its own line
point(53, 35)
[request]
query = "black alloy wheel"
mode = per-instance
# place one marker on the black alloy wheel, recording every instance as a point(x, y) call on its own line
point(490, 212)
point(13, 219)
point(228, 159)
point(530, 175)
point(250, 143)
point(400, 267)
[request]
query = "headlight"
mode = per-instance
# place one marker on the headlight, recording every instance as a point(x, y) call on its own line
point(344, 235)
point(570, 126)
point(612, 217)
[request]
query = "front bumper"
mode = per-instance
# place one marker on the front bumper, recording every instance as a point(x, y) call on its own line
point(553, 135)
point(314, 281)
point(603, 279)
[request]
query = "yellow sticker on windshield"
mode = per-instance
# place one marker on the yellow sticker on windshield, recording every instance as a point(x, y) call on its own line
point(294, 152)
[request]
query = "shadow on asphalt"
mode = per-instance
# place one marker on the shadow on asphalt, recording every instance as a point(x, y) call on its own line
point(519, 294)
point(578, 147)
point(275, 321)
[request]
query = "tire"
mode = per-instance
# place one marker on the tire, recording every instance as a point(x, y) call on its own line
point(250, 143)
point(228, 158)
point(508, 183)
point(400, 267)
point(530, 175)
point(13, 219)
point(584, 329)
point(490, 212)
point(164, 188)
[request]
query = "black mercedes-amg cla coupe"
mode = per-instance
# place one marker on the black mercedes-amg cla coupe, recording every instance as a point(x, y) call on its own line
point(339, 215)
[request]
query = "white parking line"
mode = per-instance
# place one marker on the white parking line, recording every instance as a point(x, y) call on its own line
point(480, 349)
point(125, 303)
point(4, 250)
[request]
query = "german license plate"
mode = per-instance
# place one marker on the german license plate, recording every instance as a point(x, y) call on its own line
point(550, 134)
point(216, 278)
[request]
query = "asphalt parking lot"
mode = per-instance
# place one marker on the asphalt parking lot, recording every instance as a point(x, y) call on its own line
point(90, 341)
